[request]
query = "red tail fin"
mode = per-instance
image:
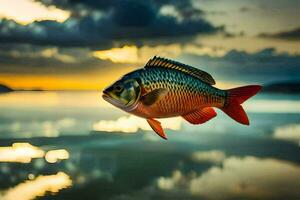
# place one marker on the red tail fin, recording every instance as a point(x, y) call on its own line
point(237, 96)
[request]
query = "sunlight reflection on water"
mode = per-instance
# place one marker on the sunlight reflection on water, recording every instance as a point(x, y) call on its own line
point(31, 189)
point(73, 143)
point(20, 152)
point(53, 156)
point(132, 124)
point(25, 152)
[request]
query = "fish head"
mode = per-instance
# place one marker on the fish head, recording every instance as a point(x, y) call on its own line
point(124, 93)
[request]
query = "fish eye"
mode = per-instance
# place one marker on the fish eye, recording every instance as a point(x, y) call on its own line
point(118, 88)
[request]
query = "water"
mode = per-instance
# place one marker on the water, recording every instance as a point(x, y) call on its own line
point(72, 145)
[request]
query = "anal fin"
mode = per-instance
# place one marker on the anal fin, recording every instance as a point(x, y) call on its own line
point(200, 116)
point(156, 126)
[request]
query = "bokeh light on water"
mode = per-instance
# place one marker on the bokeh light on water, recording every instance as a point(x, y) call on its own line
point(74, 149)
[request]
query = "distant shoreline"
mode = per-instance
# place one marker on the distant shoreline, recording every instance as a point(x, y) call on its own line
point(276, 88)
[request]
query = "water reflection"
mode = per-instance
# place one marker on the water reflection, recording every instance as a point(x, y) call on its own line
point(133, 168)
point(53, 156)
point(38, 187)
point(273, 106)
point(238, 178)
point(219, 159)
point(132, 124)
point(213, 156)
point(20, 152)
point(290, 132)
point(25, 152)
point(249, 177)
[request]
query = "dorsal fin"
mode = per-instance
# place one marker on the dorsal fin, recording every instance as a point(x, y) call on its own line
point(166, 63)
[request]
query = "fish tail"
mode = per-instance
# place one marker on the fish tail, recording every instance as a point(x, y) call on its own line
point(235, 97)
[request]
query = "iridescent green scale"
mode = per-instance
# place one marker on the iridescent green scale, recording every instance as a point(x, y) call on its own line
point(185, 92)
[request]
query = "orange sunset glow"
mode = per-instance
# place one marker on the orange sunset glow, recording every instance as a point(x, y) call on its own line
point(88, 81)
point(53, 51)
point(149, 99)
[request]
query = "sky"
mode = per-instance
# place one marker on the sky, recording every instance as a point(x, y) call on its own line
point(86, 45)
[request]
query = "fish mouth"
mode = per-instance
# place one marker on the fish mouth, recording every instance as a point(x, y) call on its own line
point(110, 99)
point(105, 95)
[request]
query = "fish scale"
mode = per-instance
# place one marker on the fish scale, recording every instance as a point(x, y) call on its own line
point(185, 93)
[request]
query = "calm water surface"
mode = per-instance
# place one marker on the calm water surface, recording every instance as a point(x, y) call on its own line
point(72, 145)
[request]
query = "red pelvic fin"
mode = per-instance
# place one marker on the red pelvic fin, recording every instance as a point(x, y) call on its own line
point(237, 96)
point(156, 126)
point(200, 116)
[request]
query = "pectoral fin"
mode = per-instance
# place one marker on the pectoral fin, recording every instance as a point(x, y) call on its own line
point(200, 116)
point(156, 126)
point(153, 96)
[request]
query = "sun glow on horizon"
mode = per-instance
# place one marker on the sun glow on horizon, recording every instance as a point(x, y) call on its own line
point(88, 81)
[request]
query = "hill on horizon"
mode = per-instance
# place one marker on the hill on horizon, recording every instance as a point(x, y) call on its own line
point(4, 88)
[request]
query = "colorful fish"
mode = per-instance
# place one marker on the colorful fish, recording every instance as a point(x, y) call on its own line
point(166, 88)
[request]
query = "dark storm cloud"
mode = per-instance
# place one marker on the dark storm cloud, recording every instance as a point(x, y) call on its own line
point(105, 23)
point(264, 66)
point(70, 33)
point(101, 5)
point(287, 35)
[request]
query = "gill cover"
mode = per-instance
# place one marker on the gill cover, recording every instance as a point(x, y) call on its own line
point(123, 93)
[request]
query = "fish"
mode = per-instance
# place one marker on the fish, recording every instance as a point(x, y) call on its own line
point(165, 88)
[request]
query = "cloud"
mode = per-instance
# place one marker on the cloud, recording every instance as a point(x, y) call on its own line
point(289, 132)
point(185, 8)
point(293, 34)
point(80, 44)
point(238, 178)
point(262, 67)
point(134, 54)
point(106, 24)
point(71, 46)
point(28, 11)
point(34, 59)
